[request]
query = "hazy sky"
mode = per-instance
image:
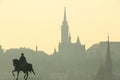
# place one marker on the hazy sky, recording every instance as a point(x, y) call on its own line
point(27, 23)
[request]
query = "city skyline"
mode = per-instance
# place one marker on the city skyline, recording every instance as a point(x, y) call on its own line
point(27, 23)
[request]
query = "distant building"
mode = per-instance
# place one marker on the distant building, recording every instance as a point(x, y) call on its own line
point(93, 50)
point(114, 46)
point(66, 46)
point(99, 50)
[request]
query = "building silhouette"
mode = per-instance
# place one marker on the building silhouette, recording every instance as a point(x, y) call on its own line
point(105, 71)
point(66, 46)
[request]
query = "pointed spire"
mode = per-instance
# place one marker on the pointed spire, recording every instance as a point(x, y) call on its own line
point(108, 47)
point(108, 56)
point(65, 14)
point(78, 40)
point(108, 62)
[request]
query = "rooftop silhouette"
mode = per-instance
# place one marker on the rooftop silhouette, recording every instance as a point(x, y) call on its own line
point(70, 62)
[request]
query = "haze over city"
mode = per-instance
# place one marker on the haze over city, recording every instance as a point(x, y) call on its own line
point(27, 23)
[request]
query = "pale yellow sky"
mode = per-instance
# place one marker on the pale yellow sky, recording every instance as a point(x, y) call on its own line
point(27, 23)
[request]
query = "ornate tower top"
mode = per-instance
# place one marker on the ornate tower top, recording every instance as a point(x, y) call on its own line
point(64, 30)
point(64, 14)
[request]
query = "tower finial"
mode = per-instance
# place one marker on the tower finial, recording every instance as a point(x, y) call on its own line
point(108, 63)
point(64, 13)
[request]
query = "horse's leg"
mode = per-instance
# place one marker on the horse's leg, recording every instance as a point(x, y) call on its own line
point(13, 72)
point(17, 75)
point(26, 76)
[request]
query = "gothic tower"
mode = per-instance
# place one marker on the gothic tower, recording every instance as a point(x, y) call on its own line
point(64, 30)
point(66, 45)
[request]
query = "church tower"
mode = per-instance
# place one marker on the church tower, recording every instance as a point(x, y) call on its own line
point(64, 30)
point(66, 45)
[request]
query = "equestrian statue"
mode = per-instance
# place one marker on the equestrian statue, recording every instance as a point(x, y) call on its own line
point(22, 65)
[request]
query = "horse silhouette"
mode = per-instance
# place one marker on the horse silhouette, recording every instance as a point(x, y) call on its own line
point(27, 68)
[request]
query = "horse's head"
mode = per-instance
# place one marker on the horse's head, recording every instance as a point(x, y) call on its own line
point(15, 62)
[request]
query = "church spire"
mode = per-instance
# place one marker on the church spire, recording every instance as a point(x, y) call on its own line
point(64, 30)
point(108, 56)
point(65, 14)
point(78, 40)
point(108, 62)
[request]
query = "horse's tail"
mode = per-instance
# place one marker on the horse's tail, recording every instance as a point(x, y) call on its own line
point(31, 69)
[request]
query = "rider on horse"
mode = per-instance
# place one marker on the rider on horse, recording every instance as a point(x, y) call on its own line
point(22, 60)
point(22, 65)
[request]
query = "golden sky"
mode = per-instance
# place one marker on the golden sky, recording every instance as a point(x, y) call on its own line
point(27, 23)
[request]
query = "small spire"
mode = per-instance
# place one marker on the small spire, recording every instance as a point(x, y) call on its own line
point(78, 40)
point(64, 13)
point(108, 61)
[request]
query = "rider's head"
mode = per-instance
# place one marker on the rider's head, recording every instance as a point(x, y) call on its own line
point(22, 54)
